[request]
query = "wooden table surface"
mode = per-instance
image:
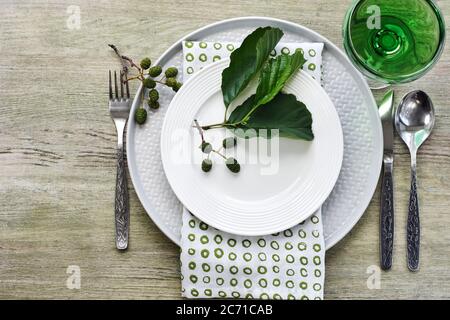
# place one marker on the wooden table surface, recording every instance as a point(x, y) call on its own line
point(57, 156)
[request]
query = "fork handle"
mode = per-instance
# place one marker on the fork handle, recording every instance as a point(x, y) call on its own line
point(122, 211)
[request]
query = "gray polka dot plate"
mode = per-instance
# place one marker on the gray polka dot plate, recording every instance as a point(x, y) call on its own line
point(343, 83)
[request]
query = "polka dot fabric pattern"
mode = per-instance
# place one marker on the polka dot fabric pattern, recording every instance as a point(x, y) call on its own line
point(215, 264)
point(286, 265)
point(197, 54)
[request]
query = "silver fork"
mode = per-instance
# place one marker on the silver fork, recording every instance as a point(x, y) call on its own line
point(119, 108)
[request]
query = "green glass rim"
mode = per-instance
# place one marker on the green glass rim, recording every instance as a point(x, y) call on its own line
point(371, 74)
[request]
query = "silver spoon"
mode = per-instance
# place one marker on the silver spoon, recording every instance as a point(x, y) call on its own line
point(414, 120)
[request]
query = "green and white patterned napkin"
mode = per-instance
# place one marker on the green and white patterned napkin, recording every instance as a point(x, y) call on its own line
point(196, 55)
point(216, 264)
point(286, 265)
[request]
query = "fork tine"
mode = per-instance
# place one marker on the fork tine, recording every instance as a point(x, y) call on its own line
point(126, 86)
point(121, 84)
point(110, 87)
point(115, 85)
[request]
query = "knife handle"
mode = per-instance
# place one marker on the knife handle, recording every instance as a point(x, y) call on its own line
point(387, 217)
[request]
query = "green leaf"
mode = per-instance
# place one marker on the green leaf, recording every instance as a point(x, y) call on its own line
point(241, 111)
point(284, 112)
point(273, 78)
point(275, 75)
point(247, 60)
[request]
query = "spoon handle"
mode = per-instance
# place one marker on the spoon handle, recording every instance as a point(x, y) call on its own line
point(413, 227)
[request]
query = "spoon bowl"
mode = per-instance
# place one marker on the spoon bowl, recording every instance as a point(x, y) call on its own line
point(414, 120)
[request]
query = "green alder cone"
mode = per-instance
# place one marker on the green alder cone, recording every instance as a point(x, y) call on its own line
point(149, 83)
point(206, 147)
point(206, 165)
point(140, 116)
point(154, 71)
point(153, 95)
point(146, 63)
point(153, 104)
point(229, 142)
point(171, 82)
point(233, 165)
point(177, 86)
point(171, 72)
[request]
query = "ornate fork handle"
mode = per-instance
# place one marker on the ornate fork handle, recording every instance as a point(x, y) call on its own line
point(122, 211)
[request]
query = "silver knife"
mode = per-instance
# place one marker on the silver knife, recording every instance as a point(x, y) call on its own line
point(386, 110)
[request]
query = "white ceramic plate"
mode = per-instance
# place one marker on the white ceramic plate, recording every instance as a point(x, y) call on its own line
point(270, 193)
point(363, 144)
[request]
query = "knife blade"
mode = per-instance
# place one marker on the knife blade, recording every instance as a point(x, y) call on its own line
point(386, 111)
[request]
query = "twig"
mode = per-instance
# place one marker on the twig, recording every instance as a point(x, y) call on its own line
point(131, 62)
point(220, 125)
point(133, 78)
point(220, 154)
point(199, 130)
point(122, 61)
